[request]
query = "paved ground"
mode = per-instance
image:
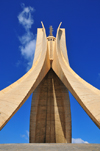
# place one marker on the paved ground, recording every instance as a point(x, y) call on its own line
point(49, 147)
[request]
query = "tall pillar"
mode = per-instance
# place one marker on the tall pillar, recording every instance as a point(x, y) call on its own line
point(50, 119)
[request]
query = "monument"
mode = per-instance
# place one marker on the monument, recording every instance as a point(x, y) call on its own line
point(49, 80)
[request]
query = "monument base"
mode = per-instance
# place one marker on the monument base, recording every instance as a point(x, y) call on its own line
point(49, 147)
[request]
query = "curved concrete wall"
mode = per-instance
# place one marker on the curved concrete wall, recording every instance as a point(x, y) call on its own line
point(13, 97)
point(86, 95)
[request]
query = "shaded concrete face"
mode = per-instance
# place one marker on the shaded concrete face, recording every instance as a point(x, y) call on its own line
point(50, 119)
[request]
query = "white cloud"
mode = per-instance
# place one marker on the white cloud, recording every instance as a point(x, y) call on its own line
point(26, 136)
point(28, 40)
point(27, 37)
point(27, 133)
point(25, 17)
point(78, 140)
point(27, 49)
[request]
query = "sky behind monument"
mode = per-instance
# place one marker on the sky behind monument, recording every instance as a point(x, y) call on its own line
point(18, 29)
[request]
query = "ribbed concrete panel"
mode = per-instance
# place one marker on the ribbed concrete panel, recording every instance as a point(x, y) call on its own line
point(50, 120)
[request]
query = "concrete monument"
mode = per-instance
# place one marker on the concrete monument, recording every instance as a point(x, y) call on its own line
point(49, 80)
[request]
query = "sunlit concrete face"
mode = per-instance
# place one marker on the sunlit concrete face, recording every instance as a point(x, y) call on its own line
point(49, 80)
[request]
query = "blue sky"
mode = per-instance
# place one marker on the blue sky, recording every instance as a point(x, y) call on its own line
point(19, 21)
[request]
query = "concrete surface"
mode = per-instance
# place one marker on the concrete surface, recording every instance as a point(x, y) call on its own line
point(49, 147)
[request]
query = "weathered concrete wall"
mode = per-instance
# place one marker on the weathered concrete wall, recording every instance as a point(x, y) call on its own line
point(50, 120)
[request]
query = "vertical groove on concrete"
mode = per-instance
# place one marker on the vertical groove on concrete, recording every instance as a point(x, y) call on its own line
point(51, 107)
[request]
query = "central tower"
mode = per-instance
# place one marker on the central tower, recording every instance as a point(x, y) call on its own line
point(50, 119)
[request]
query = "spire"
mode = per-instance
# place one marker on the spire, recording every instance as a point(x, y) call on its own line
point(51, 30)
